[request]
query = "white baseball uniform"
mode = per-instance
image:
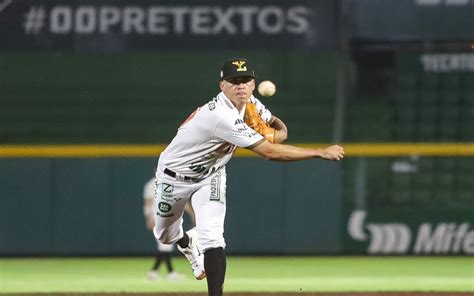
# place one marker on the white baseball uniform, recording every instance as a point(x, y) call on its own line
point(193, 165)
point(149, 193)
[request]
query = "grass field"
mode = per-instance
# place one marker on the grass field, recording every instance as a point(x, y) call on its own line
point(265, 274)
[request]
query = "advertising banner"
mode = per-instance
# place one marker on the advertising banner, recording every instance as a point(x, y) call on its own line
point(145, 25)
point(413, 20)
point(415, 231)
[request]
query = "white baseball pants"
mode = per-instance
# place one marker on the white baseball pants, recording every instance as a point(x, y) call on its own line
point(208, 199)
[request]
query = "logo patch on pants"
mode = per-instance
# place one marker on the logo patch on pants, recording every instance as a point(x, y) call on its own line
point(166, 189)
point(215, 187)
point(163, 209)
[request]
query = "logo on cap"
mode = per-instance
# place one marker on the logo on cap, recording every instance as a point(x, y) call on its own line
point(240, 65)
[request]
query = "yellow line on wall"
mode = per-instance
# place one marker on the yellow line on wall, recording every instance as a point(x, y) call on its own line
point(409, 149)
point(352, 150)
point(80, 150)
point(394, 149)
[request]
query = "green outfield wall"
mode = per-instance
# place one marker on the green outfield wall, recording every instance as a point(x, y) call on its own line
point(90, 206)
point(412, 199)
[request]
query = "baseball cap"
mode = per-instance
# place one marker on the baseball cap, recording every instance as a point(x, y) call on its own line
point(237, 67)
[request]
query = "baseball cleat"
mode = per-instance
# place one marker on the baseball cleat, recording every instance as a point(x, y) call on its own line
point(194, 256)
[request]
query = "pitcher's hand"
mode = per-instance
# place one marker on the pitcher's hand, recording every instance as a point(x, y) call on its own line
point(334, 152)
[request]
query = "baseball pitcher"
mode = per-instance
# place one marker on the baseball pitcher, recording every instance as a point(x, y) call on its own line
point(192, 167)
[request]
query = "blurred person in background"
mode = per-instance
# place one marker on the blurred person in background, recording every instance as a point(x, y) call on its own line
point(164, 251)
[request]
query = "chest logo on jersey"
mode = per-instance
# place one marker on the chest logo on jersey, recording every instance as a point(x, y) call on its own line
point(240, 65)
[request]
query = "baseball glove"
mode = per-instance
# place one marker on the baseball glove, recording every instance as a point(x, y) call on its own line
point(254, 120)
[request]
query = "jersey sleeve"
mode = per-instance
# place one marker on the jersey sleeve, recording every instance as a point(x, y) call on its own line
point(236, 131)
point(262, 110)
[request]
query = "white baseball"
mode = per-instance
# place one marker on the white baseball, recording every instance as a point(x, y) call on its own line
point(266, 88)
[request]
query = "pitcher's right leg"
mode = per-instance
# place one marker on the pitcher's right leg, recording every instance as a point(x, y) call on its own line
point(209, 204)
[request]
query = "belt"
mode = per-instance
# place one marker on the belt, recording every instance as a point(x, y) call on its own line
point(185, 178)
